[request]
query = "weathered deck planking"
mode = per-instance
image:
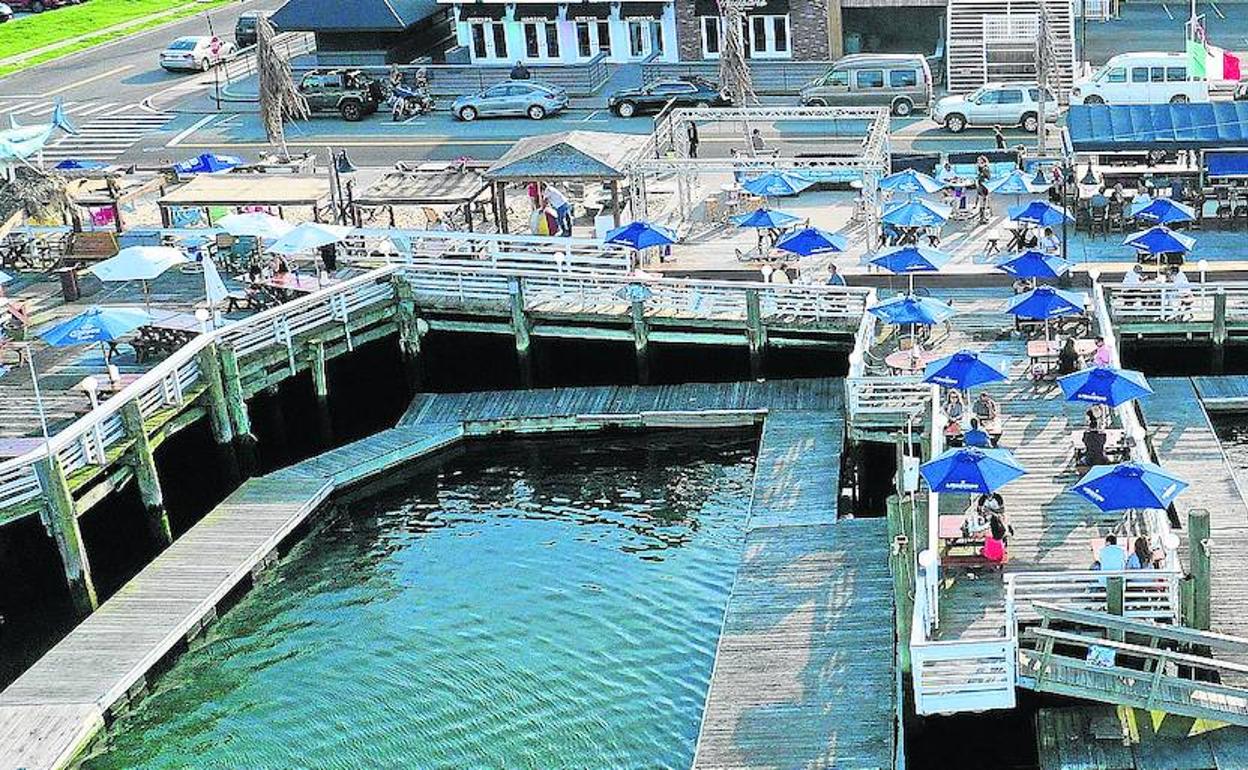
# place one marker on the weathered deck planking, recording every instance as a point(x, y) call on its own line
point(804, 672)
point(1091, 738)
point(1187, 445)
point(61, 701)
point(1227, 392)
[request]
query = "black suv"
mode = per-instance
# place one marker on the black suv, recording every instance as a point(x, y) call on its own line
point(245, 28)
point(655, 95)
point(350, 93)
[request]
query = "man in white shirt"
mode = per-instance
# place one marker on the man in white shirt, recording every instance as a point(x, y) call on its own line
point(1134, 276)
point(563, 209)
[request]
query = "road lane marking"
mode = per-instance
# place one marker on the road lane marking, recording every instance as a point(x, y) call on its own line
point(590, 116)
point(175, 141)
point(92, 79)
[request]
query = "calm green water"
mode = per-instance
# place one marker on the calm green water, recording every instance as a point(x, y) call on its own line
point(524, 605)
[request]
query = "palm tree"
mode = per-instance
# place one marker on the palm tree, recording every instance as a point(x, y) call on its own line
point(279, 96)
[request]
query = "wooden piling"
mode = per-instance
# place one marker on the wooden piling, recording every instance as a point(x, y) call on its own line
point(756, 332)
point(316, 363)
point(1201, 547)
point(1114, 602)
point(61, 521)
point(218, 412)
point(641, 341)
point(520, 326)
point(1219, 331)
point(411, 329)
point(236, 405)
point(143, 463)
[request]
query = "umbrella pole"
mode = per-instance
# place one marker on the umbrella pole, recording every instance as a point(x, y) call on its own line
point(147, 300)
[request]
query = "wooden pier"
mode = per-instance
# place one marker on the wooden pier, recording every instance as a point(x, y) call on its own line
point(805, 666)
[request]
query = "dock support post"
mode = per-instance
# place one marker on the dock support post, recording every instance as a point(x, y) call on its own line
point(61, 521)
point(143, 464)
point(1198, 534)
point(520, 325)
point(218, 412)
point(410, 331)
point(756, 332)
point(316, 361)
point(236, 405)
point(1219, 330)
point(641, 341)
point(1113, 602)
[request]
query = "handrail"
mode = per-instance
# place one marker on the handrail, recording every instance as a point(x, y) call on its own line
point(1150, 593)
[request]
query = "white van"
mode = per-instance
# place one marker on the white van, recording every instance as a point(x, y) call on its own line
point(1141, 78)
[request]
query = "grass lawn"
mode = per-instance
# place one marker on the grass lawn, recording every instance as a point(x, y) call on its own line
point(27, 33)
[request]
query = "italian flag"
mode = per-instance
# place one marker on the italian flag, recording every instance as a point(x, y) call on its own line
point(1211, 62)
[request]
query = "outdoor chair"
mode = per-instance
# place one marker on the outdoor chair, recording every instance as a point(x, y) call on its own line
point(1224, 202)
point(1115, 217)
point(1099, 214)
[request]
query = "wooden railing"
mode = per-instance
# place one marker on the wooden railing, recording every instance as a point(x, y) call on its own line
point(167, 385)
point(1148, 594)
point(903, 395)
point(509, 252)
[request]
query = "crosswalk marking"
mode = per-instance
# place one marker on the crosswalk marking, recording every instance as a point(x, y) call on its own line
point(106, 129)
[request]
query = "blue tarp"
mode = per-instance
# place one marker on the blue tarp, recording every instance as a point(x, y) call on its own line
point(1226, 164)
point(1141, 127)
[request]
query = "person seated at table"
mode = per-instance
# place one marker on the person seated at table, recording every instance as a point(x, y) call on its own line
point(1102, 356)
point(976, 519)
point(1141, 555)
point(977, 436)
point(1134, 276)
point(1111, 557)
point(987, 410)
point(254, 272)
point(1068, 360)
point(282, 267)
point(834, 276)
point(1024, 285)
point(953, 408)
point(994, 547)
point(1049, 243)
point(1094, 447)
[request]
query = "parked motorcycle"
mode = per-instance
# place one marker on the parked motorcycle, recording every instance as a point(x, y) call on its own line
point(410, 102)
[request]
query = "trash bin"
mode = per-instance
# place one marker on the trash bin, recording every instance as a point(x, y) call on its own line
point(70, 290)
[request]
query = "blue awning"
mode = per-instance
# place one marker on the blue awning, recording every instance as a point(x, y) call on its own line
point(1226, 164)
point(1142, 127)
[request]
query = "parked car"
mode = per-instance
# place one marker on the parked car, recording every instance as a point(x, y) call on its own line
point(37, 6)
point(513, 97)
point(245, 28)
point(901, 82)
point(196, 52)
point(995, 104)
point(6, 13)
point(350, 93)
point(1141, 78)
point(656, 95)
point(1241, 92)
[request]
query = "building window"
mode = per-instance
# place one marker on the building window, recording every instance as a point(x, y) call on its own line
point(710, 37)
point(604, 37)
point(489, 40)
point(541, 39)
point(768, 37)
point(552, 40)
point(645, 37)
point(593, 36)
point(531, 39)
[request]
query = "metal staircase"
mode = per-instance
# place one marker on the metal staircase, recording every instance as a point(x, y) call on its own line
point(995, 40)
point(1129, 662)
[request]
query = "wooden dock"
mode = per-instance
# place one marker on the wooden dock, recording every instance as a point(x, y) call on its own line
point(1098, 738)
point(1187, 445)
point(805, 669)
point(49, 714)
point(1223, 393)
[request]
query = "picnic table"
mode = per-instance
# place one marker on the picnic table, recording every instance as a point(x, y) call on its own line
point(957, 548)
point(280, 288)
point(165, 334)
point(912, 361)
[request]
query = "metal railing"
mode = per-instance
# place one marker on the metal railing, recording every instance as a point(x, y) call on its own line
point(288, 44)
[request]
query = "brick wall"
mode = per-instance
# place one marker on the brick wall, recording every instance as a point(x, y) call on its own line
point(808, 27)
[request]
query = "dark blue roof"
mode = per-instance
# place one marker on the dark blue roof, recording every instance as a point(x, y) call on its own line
point(1136, 127)
point(356, 16)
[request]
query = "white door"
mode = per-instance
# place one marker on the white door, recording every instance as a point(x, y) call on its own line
point(645, 37)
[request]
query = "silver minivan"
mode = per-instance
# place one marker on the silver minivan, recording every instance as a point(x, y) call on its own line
point(901, 82)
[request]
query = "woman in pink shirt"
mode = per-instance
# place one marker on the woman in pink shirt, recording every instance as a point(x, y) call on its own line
point(1102, 356)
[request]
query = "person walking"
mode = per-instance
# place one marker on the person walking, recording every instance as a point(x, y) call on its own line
point(693, 139)
point(563, 209)
point(998, 137)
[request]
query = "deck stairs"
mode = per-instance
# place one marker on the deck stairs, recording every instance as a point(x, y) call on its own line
point(1132, 662)
point(995, 41)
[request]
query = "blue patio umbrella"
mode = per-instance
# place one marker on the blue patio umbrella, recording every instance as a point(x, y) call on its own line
point(5, 277)
point(909, 309)
point(1045, 302)
point(971, 470)
point(1160, 239)
point(95, 324)
point(1163, 211)
point(1015, 183)
point(1035, 264)
point(72, 164)
point(910, 182)
point(966, 369)
point(641, 235)
point(812, 240)
point(917, 212)
point(777, 183)
point(765, 219)
point(1129, 485)
point(1039, 213)
point(1104, 385)
point(909, 260)
point(207, 163)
